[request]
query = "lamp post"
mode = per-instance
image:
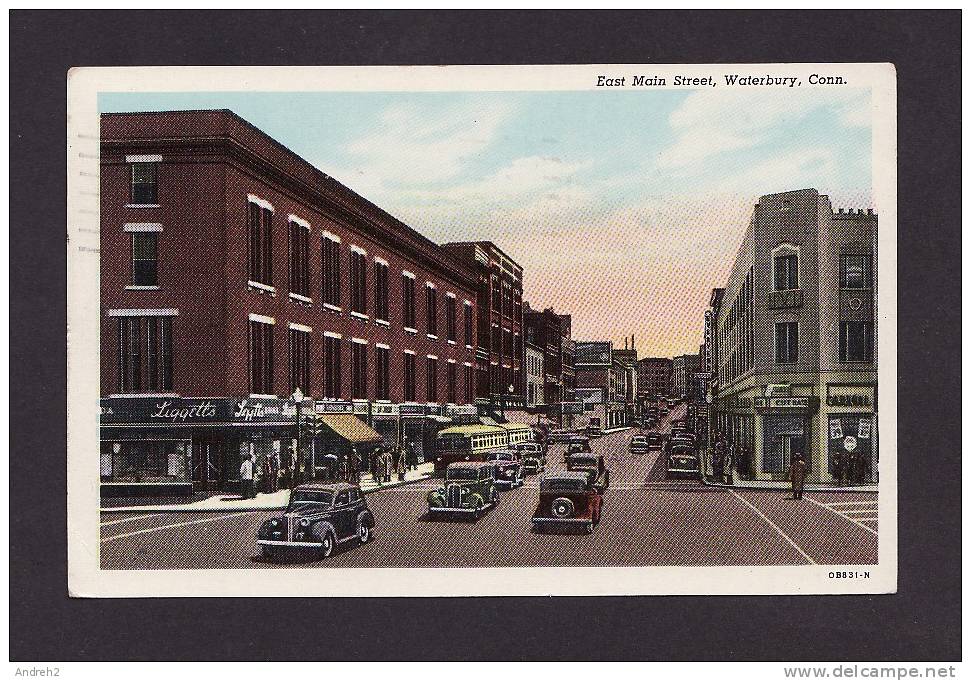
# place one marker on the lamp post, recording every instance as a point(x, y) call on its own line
point(298, 401)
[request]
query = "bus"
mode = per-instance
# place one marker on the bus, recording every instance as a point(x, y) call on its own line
point(469, 443)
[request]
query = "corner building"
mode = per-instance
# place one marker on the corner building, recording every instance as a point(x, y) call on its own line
point(796, 339)
point(234, 272)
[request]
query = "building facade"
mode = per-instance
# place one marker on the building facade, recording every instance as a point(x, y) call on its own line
point(552, 333)
point(233, 273)
point(535, 396)
point(683, 368)
point(600, 385)
point(653, 377)
point(796, 339)
point(499, 355)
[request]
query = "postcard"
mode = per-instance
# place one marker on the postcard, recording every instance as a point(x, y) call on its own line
point(482, 330)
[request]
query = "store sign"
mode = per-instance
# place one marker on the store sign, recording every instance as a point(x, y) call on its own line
point(174, 412)
point(866, 425)
point(411, 410)
point(333, 407)
point(181, 411)
point(835, 429)
point(782, 403)
point(263, 410)
point(384, 410)
point(849, 396)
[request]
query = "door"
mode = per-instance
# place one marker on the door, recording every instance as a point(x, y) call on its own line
point(206, 465)
point(792, 445)
point(344, 523)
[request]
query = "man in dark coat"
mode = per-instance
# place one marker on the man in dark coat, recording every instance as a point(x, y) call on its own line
point(839, 469)
point(797, 476)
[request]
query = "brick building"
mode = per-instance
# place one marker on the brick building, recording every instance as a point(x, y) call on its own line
point(234, 272)
point(653, 377)
point(499, 353)
point(683, 368)
point(552, 332)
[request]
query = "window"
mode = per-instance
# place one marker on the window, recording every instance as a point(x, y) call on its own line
point(409, 377)
point(144, 258)
point(408, 301)
point(332, 367)
point(431, 379)
point(298, 353)
point(496, 295)
point(856, 341)
point(469, 384)
point(787, 342)
point(260, 244)
point(299, 242)
point(331, 274)
point(144, 354)
point(431, 310)
point(468, 325)
point(382, 388)
point(144, 183)
point(451, 333)
point(786, 272)
point(496, 338)
point(261, 358)
point(358, 281)
point(856, 271)
point(381, 290)
point(451, 380)
point(359, 370)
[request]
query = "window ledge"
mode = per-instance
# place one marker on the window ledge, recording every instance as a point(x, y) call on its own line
point(143, 205)
point(358, 315)
point(135, 395)
point(261, 287)
point(257, 396)
point(141, 288)
point(301, 298)
point(432, 336)
point(451, 342)
point(410, 330)
point(382, 322)
point(332, 308)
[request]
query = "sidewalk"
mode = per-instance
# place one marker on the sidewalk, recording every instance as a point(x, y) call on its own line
point(617, 429)
point(263, 502)
point(782, 485)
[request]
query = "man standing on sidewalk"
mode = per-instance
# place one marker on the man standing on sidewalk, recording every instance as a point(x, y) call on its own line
point(797, 475)
point(246, 477)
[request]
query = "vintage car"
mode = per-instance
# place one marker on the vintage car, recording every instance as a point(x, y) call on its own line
point(639, 445)
point(594, 431)
point(576, 445)
point(655, 441)
point(560, 435)
point(681, 440)
point(533, 457)
point(593, 465)
point(565, 500)
point(469, 489)
point(318, 518)
point(507, 468)
point(681, 462)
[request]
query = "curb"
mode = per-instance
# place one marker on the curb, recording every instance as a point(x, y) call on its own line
point(238, 509)
point(807, 488)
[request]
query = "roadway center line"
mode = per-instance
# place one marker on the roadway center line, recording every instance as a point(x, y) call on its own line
point(128, 520)
point(166, 527)
point(852, 520)
point(774, 527)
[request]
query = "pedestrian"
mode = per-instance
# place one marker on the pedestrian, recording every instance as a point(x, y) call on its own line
point(246, 477)
point(388, 465)
point(727, 464)
point(274, 464)
point(330, 466)
point(399, 463)
point(374, 465)
point(354, 466)
point(839, 470)
point(851, 467)
point(267, 475)
point(411, 456)
point(744, 463)
point(797, 476)
point(344, 472)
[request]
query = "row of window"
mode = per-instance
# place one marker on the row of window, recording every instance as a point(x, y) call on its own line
point(334, 355)
point(856, 271)
point(856, 342)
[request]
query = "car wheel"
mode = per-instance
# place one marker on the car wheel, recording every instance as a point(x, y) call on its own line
point(363, 533)
point(268, 552)
point(326, 545)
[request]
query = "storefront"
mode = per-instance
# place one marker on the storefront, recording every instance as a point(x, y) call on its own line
point(385, 420)
point(412, 416)
point(173, 446)
point(850, 416)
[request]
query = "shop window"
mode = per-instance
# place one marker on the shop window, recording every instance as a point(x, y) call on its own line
point(144, 258)
point(144, 183)
point(145, 461)
point(298, 351)
point(359, 370)
point(261, 358)
point(331, 273)
point(260, 244)
point(299, 246)
point(856, 271)
point(786, 342)
point(856, 341)
point(332, 367)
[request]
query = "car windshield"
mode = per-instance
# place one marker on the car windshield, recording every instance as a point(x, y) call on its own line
point(465, 474)
point(562, 485)
point(583, 460)
point(302, 498)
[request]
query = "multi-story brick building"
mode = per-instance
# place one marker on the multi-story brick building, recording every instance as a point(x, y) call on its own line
point(499, 354)
point(232, 273)
point(552, 332)
point(653, 377)
point(683, 368)
point(796, 330)
point(601, 384)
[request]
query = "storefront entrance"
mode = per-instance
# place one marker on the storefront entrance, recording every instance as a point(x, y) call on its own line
point(784, 435)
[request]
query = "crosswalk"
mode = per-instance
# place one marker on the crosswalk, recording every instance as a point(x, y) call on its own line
point(862, 513)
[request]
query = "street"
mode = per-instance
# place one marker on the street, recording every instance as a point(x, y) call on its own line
point(647, 520)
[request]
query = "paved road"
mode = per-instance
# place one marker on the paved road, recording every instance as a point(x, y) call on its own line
point(646, 520)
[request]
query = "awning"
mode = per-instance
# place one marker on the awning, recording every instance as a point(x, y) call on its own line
point(350, 427)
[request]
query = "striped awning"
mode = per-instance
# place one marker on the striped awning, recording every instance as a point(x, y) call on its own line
point(350, 427)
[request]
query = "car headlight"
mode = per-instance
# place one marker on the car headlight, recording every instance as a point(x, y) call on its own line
point(304, 522)
point(510, 473)
point(275, 522)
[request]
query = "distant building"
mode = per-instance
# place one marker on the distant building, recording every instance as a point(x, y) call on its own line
point(551, 332)
point(682, 369)
point(653, 377)
point(534, 374)
point(796, 330)
point(599, 376)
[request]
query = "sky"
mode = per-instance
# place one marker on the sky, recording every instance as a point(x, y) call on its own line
point(625, 208)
